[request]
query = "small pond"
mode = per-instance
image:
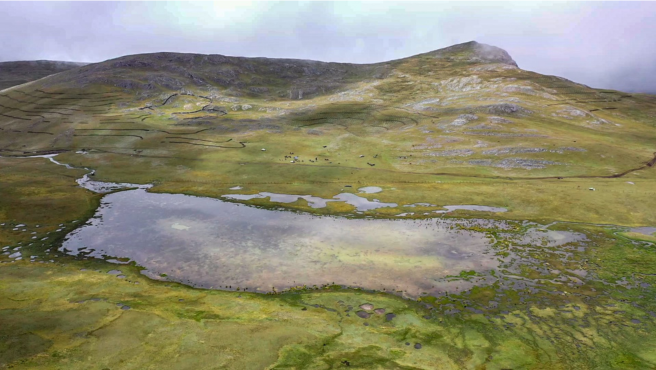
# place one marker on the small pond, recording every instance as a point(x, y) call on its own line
point(212, 243)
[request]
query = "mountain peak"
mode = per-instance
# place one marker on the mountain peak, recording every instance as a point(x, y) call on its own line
point(473, 51)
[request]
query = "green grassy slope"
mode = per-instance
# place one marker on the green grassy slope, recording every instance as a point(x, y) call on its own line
point(464, 113)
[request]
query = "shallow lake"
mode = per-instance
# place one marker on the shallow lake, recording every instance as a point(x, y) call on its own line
point(217, 244)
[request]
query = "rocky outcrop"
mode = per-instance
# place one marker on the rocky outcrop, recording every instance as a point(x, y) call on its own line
point(474, 52)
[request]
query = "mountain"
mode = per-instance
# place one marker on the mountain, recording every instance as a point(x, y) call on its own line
point(192, 123)
point(17, 73)
point(255, 77)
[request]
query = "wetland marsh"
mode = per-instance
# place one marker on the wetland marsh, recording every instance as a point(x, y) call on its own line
point(435, 212)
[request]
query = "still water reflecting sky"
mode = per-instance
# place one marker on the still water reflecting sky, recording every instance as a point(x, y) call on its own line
point(212, 243)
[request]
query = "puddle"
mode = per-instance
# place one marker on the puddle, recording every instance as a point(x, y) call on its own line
point(231, 245)
point(370, 189)
point(362, 204)
point(651, 231)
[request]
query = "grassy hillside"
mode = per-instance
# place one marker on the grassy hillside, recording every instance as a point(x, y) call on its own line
point(17, 73)
point(461, 115)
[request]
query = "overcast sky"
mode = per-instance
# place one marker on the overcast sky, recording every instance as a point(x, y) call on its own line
point(606, 45)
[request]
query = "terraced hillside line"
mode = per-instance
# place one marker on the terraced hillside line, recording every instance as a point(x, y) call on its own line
point(243, 145)
point(196, 111)
point(14, 99)
point(190, 138)
point(324, 123)
point(99, 100)
point(24, 93)
point(113, 129)
point(594, 110)
point(169, 98)
point(8, 116)
point(21, 110)
point(47, 92)
point(185, 133)
point(27, 132)
point(60, 113)
point(105, 135)
point(58, 108)
point(142, 129)
point(176, 94)
point(165, 101)
point(44, 97)
point(100, 105)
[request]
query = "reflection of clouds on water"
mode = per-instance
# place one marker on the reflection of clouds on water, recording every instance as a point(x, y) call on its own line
point(218, 244)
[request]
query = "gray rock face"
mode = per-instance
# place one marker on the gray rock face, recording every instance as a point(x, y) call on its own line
point(475, 52)
point(499, 120)
point(506, 108)
point(570, 112)
point(463, 119)
point(452, 153)
point(492, 54)
point(215, 109)
point(508, 163)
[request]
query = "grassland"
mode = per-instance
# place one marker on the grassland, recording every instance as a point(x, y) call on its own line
point(528, 142)
point(536, 146)
point(66, 312)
